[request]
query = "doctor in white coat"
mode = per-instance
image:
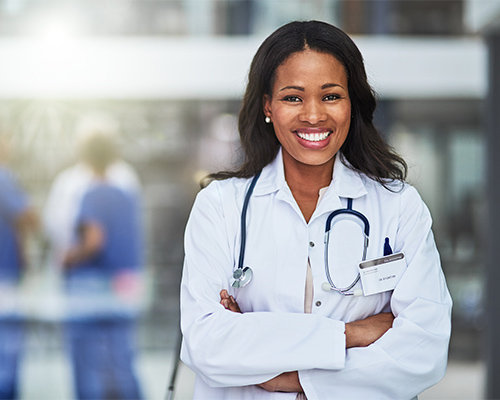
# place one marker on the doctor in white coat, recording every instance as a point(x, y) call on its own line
point(306, 123)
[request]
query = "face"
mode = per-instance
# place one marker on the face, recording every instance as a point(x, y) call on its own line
point(310, 108)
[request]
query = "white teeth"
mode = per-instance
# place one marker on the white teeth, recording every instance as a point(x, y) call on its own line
point(313, 137)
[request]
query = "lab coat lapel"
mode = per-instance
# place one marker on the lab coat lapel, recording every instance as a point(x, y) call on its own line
point(273, 180)
point(345, 183)
point(272, 177)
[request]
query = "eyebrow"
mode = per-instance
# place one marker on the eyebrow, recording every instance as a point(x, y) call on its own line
point(301, 89)
point(329, 85)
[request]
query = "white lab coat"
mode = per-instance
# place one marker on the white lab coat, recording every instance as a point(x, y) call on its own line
point(231, 352)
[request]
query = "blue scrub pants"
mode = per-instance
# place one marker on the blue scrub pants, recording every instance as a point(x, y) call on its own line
point(102, 353)
point(11, 345)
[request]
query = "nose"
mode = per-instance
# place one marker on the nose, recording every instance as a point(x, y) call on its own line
point(312, 112)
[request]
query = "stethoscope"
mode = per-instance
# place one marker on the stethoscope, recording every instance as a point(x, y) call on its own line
point(242, 275)
point(346, 291)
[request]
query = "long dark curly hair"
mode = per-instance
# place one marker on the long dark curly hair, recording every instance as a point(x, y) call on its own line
point(365, 149)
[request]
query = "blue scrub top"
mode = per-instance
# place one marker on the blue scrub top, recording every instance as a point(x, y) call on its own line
point(13, 202)
point(118, 213)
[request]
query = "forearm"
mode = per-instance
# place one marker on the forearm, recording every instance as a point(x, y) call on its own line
point(364, 332)
point(90, 243)
point(358, 334)
point(76, 255)
point(400, 365)
point(228, 349)
point(25, 224)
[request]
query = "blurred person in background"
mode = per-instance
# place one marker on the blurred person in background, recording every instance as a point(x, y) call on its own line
point(102, 278)
point(17, 220)
point(69, 185)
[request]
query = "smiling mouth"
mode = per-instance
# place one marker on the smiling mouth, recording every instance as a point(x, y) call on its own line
point(314, 137)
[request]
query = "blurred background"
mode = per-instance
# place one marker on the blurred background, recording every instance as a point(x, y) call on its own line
point(168, 75)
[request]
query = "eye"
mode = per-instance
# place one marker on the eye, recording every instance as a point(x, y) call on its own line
point(292, 99)
point(331, 97)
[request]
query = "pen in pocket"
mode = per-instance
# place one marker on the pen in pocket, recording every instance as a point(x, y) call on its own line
point(387, 247)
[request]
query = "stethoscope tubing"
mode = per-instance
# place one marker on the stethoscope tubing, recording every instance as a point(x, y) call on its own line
point(244, 220)
point(348, 210)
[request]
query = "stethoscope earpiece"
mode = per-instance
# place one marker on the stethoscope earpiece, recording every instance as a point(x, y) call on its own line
point(241, 277)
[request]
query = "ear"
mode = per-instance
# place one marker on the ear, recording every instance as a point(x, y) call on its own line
point(266, 101)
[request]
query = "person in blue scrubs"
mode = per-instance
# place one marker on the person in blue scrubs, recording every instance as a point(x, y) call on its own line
point(102, 280)
point(16, 220)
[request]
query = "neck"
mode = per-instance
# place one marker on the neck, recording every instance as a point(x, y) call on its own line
point(305, 181)
point(305, 178)
point(99, 175)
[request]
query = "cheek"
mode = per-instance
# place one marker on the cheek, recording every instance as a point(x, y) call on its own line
point(344, 116)
point(281, 121)
point(281, 115)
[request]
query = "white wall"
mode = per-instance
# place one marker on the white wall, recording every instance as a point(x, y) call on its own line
point(216, 68)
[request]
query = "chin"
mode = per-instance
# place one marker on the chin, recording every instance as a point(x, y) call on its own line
point(316, 161)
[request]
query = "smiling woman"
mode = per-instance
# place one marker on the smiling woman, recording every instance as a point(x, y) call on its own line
point(306, 129)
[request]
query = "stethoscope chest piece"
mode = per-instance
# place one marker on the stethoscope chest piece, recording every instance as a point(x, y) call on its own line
point(241, 277)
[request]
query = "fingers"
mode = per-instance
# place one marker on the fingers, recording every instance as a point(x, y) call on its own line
point(228, 302)
point(224, 298)
point(233, 305)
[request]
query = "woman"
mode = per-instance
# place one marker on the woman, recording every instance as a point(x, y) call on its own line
point(306, 122)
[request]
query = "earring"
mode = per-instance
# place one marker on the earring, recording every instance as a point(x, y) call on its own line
point(268, 120)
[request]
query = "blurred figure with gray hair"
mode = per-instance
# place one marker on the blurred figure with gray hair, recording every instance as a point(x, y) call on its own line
point(17, 219)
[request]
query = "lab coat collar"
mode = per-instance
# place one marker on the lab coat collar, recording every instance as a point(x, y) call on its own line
point(272, 177)
point(346, 182)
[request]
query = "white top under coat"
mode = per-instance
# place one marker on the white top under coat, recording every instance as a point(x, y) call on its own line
point(231, 352)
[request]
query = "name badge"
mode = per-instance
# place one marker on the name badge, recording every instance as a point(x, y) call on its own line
point(381, 274)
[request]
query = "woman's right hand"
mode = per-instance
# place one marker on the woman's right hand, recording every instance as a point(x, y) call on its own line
point(229, 302)
point(366, 331)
